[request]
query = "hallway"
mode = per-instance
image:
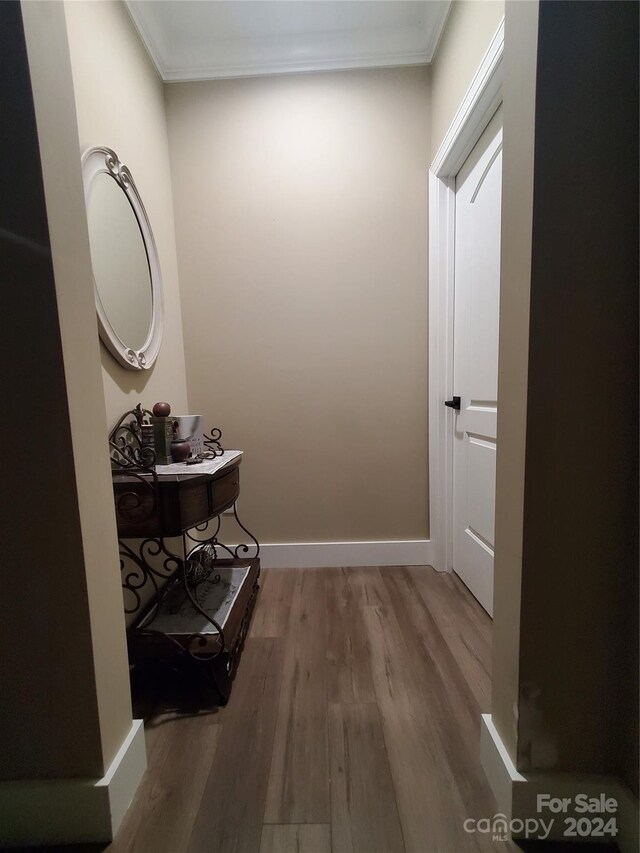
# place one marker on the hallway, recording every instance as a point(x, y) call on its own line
point(353, 726)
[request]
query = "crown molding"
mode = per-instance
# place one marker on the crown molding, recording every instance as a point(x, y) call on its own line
point(147, 39)
point(259, 69)
point(270, 69)
point(438, 30)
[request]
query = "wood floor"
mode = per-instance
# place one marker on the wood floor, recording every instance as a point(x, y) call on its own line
point(353, 727)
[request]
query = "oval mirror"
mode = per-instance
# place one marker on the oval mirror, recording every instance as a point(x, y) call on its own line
point(126, 272)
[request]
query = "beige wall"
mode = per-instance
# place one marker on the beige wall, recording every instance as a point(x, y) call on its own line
point(580, 542)
point(65, 698)
point(519, 93)
point(301, 214)
point(469, 29)
point(565, 662)
point(120, 104)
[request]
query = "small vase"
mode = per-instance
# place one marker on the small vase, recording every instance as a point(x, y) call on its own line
point(180, 450)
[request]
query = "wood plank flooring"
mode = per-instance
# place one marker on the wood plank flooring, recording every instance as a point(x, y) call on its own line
point(353, 726)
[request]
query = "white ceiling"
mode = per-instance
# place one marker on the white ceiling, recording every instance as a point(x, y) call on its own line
point(209, 39)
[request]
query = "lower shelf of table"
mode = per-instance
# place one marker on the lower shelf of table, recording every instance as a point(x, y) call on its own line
point(180, 636)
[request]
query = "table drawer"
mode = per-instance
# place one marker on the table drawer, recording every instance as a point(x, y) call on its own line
point(224, 492)
point(173, 506)
point(193, 506)
point(201, 501)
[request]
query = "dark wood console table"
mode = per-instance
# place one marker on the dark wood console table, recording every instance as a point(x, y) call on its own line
point(189, 596)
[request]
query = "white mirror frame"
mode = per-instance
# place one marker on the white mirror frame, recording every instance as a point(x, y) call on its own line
point(94, 161)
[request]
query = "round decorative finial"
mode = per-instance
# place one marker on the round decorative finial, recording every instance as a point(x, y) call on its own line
point(162, 410)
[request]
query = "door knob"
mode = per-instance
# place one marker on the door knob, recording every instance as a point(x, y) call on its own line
point(454, 403)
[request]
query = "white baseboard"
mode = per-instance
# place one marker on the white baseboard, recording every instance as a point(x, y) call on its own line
point(497, 765)
point(73, 811)
point(517, 794)
point(311, 555)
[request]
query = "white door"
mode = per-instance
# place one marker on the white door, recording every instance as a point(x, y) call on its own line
point(477, 298)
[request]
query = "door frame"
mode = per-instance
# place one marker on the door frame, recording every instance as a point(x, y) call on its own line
point(482, 99)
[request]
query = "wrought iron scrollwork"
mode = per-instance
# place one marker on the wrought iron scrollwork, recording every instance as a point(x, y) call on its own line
point(216, 547)
point(152, 561)
point(151, 569)
point(126, 447)
point(134, 460)
point(137, 569)
point(212, 442)
point(244, 550)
